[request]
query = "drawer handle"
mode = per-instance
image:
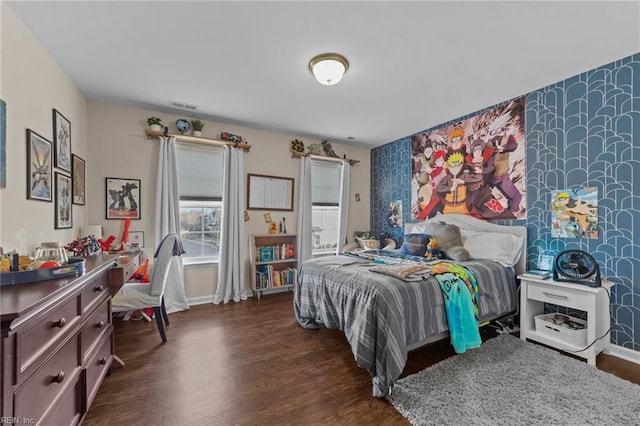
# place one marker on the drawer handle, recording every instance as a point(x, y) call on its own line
point(557, 296)
point(99, 288)
point(100, 324)
point(103, 361)
point(58, 378)
point(60, 323)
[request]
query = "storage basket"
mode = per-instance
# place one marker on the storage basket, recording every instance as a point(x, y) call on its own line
point(546, 326)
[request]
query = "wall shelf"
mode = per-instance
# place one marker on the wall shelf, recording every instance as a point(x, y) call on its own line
point(324, 157)
point(151, 134)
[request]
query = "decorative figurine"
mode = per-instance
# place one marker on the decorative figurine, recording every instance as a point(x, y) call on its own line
point(273, 227)
point(328, 149)
point(296, 146)
point(230, 137)
point(314, 149)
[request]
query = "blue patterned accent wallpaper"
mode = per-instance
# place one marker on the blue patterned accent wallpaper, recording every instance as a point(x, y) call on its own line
point(583, 131)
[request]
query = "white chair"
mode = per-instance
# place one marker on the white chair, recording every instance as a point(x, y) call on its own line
point(135, 295)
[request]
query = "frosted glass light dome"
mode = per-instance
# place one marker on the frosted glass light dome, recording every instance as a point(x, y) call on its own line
point(328, 68)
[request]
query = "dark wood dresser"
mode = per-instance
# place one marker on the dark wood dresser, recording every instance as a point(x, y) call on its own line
point(57, 345)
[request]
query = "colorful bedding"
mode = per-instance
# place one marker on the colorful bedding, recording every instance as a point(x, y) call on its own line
point(381, 315)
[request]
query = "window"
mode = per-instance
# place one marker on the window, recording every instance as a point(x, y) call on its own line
point(325, 229)
point(200, 184)
point(200, 229)
point(325, 182)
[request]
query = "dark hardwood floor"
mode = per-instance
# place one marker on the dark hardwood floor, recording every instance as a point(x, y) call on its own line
point(250, 363)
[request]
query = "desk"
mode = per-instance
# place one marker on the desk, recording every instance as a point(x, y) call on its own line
point(125, 267)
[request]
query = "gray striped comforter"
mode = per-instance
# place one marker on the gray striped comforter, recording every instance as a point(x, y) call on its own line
point(382, 316)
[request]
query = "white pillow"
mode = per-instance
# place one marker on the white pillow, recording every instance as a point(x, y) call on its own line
point(503, 248)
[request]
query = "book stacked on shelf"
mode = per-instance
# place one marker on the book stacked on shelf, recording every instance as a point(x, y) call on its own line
point(281, 251)
point(537, 273)
point(267, 277)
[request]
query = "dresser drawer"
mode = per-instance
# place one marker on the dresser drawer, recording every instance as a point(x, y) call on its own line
point(94, 292)
point(563, 296)
point(43, 334)
point(50, 383)
point(97, 325)
point(67, 410)
point(98, 366)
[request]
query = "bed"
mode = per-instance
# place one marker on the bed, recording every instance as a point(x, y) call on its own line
point(385, 317)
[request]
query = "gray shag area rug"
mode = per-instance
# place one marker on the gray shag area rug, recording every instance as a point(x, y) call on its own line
point(508, 381)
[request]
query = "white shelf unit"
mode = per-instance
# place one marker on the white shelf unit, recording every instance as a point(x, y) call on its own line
point(279, 266)
point(535, 292)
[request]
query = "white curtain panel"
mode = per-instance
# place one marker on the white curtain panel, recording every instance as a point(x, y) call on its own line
point(168, 220)
point(345, 177)
point(231, 264)
point(305, 226)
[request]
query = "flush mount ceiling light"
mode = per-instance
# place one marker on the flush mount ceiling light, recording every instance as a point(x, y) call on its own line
point(328, 68)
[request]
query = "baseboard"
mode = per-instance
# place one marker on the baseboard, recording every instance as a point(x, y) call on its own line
point(624, 353)
point(199, 300)
point(192, 301)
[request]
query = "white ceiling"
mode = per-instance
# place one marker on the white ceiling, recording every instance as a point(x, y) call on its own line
point(413, 64)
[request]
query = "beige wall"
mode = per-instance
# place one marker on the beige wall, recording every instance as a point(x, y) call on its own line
point(118, 147)
point(112, 141)
point(32, 85)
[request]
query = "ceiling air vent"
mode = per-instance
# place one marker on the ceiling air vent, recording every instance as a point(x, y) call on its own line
point(184, 106)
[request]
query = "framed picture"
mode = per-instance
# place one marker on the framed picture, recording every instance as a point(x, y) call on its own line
point(63, 202)
point(269, 193)
point(39, 177)
point(62, 141)
point(79, 167)
point(122, 198)
point(136, 237)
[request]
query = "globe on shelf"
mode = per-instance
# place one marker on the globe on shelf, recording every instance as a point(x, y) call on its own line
point(183, 125)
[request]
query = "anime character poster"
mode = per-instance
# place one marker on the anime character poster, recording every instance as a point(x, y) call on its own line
point(395, 214)
point(474, 167)
point(574, 213)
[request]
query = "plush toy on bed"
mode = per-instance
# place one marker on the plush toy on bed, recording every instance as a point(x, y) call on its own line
point(449, 239)
point(433, 250)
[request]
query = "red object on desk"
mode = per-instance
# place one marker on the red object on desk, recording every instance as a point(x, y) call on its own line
point(106, 244)
point(125, 232)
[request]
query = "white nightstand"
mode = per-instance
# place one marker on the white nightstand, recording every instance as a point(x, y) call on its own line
point(535, 292)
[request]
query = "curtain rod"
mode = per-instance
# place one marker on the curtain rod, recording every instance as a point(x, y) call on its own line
point(324, 158)
point(196, 140)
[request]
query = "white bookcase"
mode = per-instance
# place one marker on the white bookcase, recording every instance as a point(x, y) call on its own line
point(274, 266)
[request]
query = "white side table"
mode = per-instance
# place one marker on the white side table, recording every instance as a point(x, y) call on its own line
point(535, 292)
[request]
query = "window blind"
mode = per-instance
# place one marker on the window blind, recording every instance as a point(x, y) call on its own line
point(325, 183)
point(200, 172)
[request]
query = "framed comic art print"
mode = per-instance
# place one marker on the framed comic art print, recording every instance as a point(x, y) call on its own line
point(39, 170)
point(79, 167)
point(122, 197)
point(63, 202)
point(62, 141)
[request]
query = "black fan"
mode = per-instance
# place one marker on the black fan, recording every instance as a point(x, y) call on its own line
point(576, 266)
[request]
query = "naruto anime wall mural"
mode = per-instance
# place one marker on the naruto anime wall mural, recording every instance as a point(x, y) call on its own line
point(474, 167)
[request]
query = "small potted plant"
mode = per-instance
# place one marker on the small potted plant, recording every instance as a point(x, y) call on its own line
point(155, 123)
point(197, 126)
